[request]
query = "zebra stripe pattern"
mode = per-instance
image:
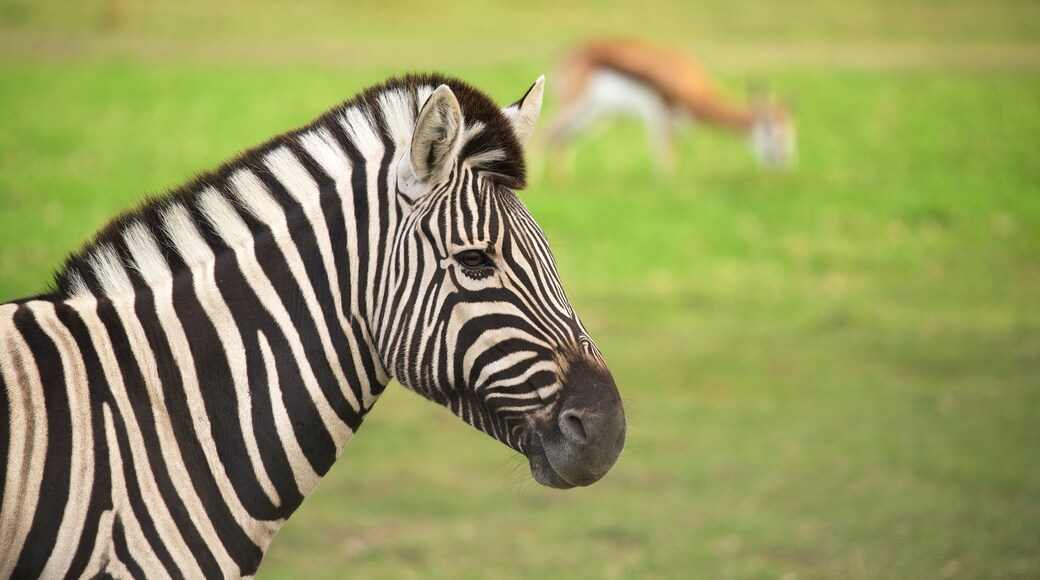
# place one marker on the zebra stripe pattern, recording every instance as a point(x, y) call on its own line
point(202, 362)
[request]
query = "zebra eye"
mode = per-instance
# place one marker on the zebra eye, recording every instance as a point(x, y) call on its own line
point(473, 259)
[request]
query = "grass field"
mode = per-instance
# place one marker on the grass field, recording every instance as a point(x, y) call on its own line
point(829, 373)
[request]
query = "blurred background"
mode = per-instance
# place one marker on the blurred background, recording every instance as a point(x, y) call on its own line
point(832, 372)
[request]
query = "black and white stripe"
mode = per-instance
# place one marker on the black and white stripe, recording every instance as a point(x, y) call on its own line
point(202, 362)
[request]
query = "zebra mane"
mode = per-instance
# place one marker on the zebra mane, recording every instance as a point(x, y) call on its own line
point(491, 147)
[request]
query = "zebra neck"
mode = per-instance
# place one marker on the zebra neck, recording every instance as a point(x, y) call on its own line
point(300, 290)
point(254, 350)
point(317, 277)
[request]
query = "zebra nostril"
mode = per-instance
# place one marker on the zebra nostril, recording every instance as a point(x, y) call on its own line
point(573, 427)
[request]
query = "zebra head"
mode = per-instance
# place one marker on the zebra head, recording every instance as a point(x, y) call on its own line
point(478, 321)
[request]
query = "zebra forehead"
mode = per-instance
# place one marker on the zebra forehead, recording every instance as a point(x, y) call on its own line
point(490, 143)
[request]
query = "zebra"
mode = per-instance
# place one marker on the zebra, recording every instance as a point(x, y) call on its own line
point(197, 367)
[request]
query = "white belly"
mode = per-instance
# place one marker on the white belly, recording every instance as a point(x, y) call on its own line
point(614, 92)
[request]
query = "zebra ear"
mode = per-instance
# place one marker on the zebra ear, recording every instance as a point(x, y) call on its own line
point(524, 113)
point(434, 144)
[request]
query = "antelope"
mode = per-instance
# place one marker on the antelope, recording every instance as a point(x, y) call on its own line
point(661, 86)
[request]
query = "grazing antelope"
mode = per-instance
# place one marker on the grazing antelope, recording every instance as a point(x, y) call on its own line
point(660, 86)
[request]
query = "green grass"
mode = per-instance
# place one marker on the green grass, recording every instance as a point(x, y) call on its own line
point(829, 373)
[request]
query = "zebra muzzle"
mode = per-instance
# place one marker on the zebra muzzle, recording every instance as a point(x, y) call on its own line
point(586, 434)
